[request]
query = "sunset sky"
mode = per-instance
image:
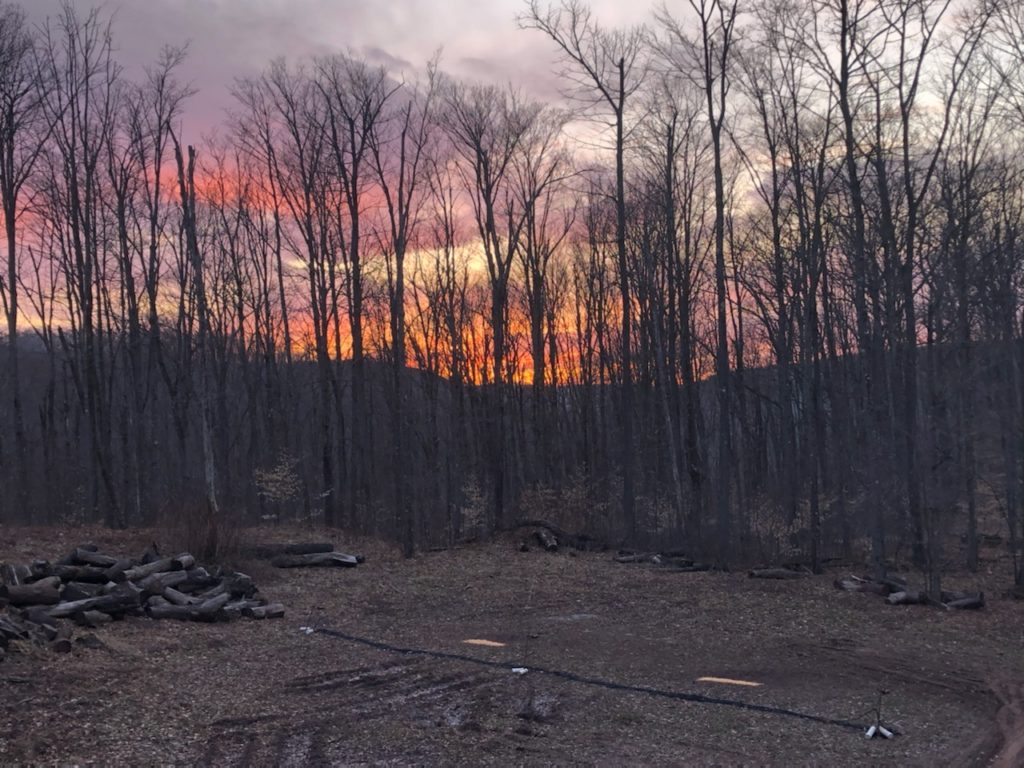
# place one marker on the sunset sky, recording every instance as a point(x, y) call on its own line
point(232, 38)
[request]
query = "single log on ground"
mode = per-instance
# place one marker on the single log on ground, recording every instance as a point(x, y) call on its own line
point(156, 583)
point(237, 607)
point(774, 573)
point(854, 584)
point(43, 592)
point(300, 548)
point(271, 611)
point(968, 602)
point(644, 557)
point(547, 539)
point(907, 597)
point(320, 559)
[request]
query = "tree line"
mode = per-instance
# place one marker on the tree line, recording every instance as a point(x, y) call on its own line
point(753, 286)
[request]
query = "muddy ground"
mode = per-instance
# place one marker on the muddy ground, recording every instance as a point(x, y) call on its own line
point(266, 693)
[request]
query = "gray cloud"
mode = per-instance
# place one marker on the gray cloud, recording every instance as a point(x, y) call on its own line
point(237, 38)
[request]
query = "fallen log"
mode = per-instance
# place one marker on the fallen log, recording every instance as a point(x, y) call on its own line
point(210, 608)
point(116, 572)
point(235, 585)
point(43, 592)
point(547, 539)
point(198, 578)
point(123, 598)
point(178, 598)
point(82, 556)
point(156, 583)
point(968, 602)
point(79, 590)
point(238, 607)
point(774, 573)
point(855, 584)
point(317, 560)
point(580, 541)
point(157, 566)
point(151, 555)
point(91, 619)
point(86, 573)
point(271, 611)
point(267, 551)
point(907, 597)
point(69, 558)
point(14, 575)
point(645, 557)
point(167, 611)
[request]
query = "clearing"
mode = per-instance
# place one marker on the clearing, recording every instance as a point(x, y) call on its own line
point(266, 693)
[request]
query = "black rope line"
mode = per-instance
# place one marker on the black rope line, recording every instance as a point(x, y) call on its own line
point(696, 698)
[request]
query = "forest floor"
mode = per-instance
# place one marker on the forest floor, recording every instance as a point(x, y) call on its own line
point(265, 693)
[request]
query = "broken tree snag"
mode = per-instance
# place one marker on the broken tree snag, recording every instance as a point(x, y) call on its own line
point(546, 539)
point(315, 560)
point(907, 597)
point(43, 592)
point(271, 611)
point(774, 573)
point(966, 602)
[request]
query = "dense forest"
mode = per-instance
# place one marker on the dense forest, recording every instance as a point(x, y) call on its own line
point(754, 286)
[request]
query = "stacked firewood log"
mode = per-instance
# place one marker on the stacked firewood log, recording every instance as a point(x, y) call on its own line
point(90, 588)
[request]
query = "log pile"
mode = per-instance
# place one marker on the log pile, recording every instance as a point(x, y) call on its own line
point(89, 588)
point(896, 592)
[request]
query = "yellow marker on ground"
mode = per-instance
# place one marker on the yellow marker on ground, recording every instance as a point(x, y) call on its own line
point(729, 681)
point(488, 643)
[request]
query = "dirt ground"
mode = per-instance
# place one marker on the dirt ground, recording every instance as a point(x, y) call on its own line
point(265, 693)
